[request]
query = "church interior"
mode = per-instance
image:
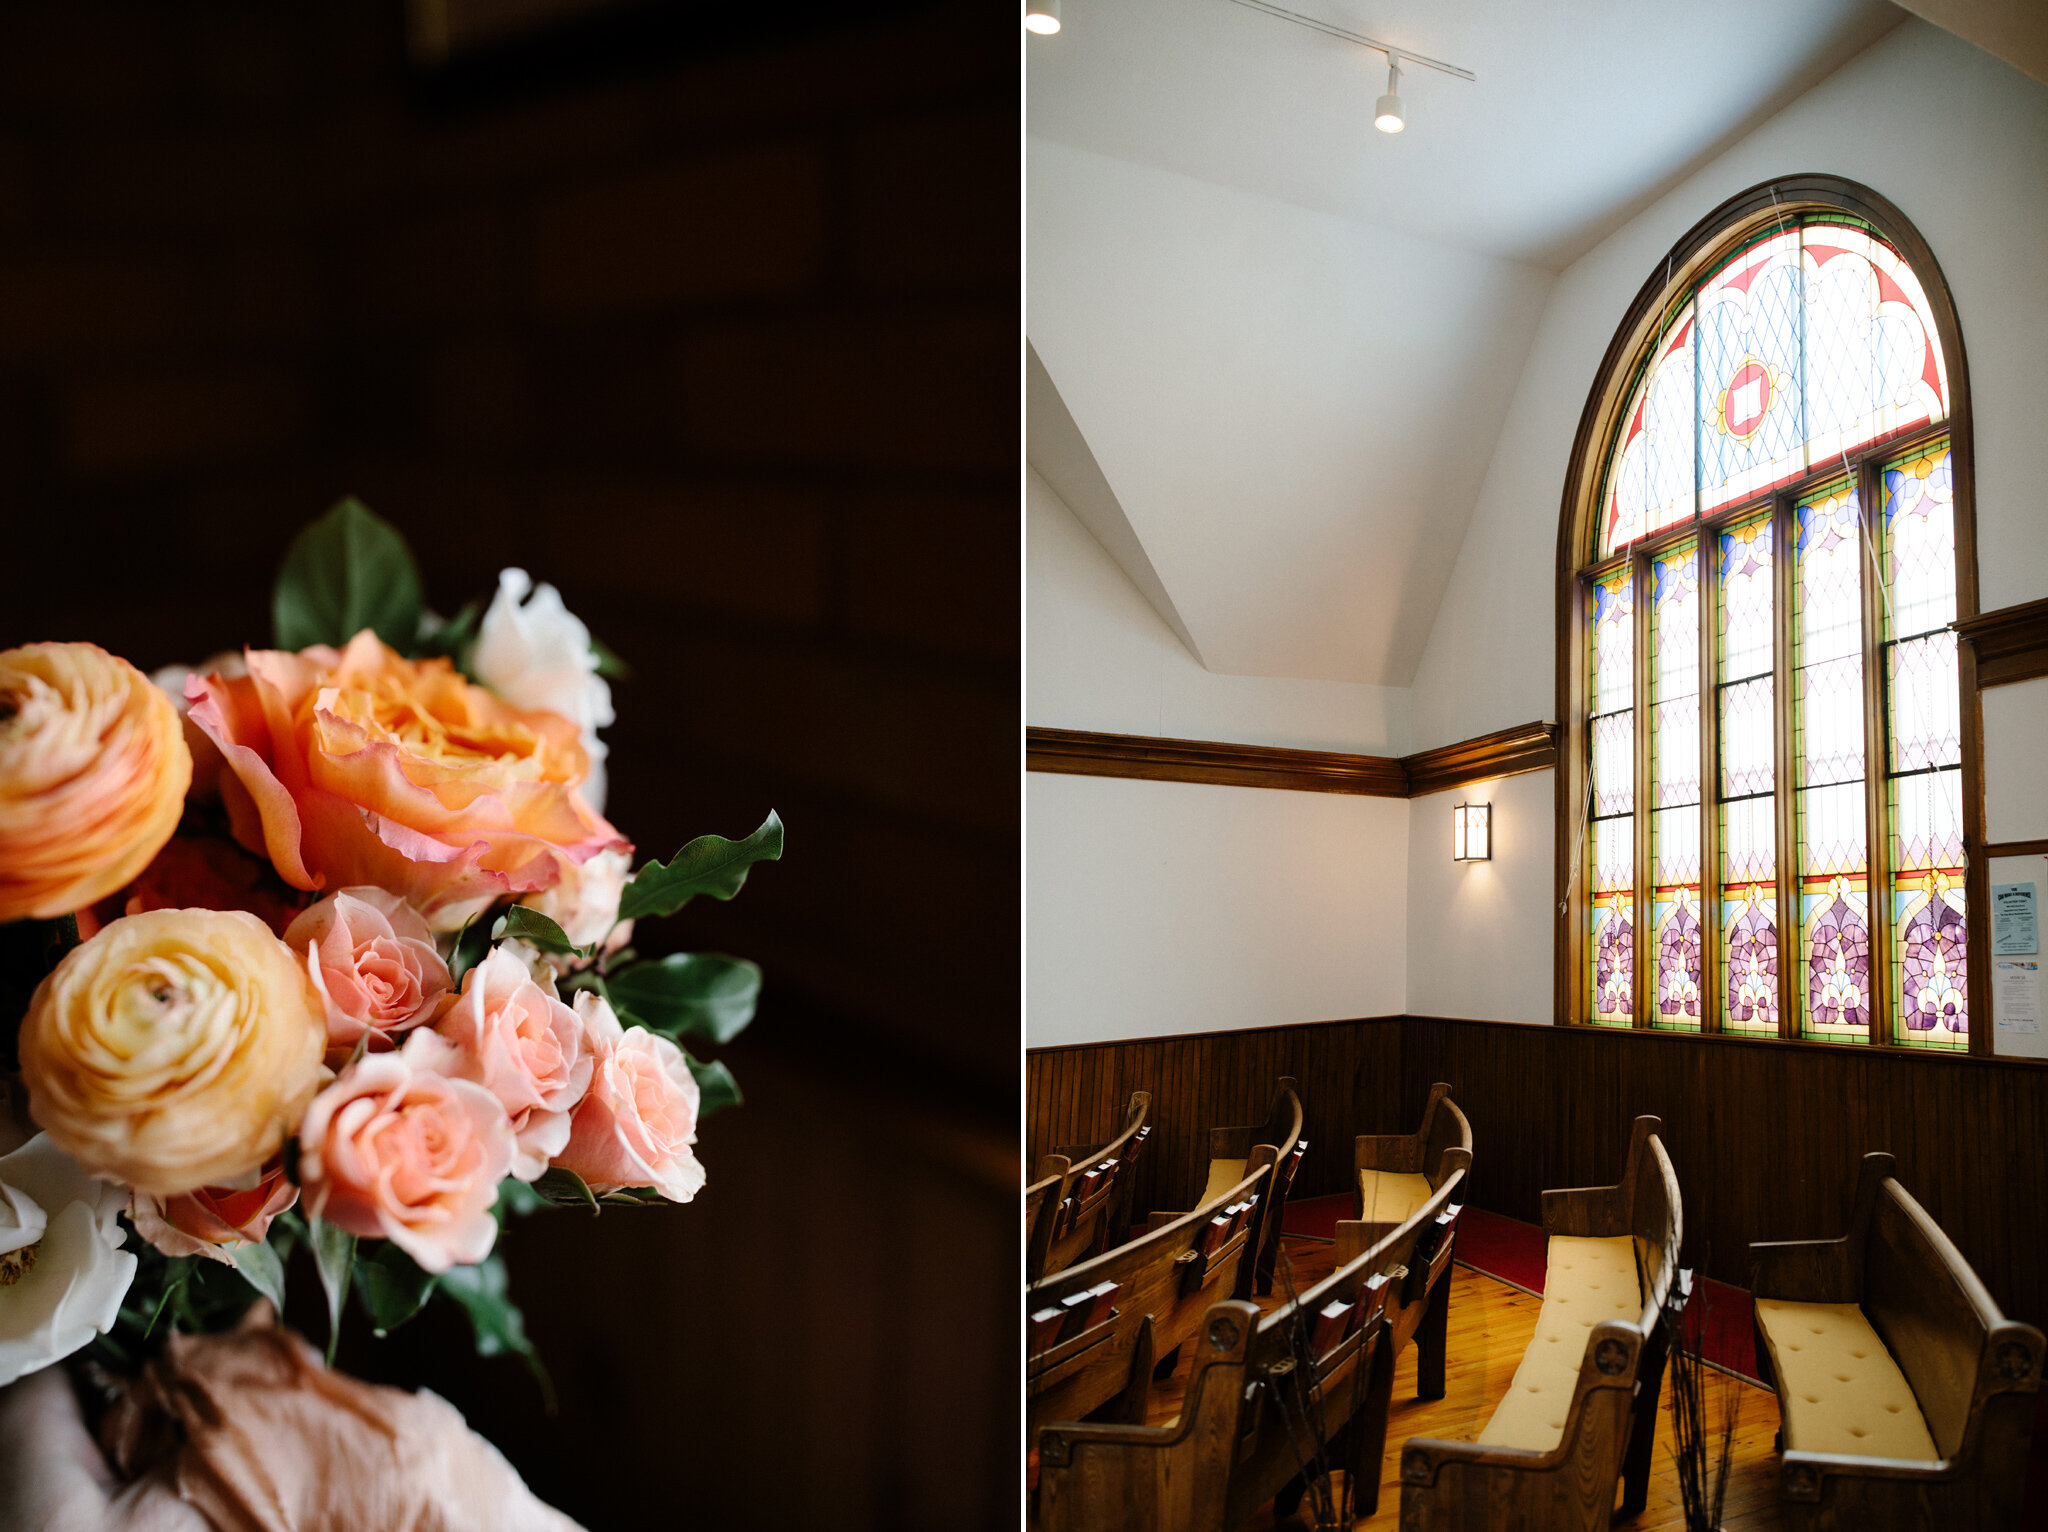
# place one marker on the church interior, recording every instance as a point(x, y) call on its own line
point(1536, 701)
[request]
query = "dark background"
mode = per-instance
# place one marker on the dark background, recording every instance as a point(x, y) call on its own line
point(714, 327)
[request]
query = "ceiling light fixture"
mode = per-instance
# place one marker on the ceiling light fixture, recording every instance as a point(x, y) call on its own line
point(1387, 115)
point(1042, 16)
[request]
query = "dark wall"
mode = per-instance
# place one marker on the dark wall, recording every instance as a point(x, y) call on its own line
point(716, 329)
point(1765, 1136)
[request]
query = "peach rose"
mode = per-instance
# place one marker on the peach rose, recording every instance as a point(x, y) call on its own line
point(173, 1050)
point(637, 1124)
point(396, 1150)
point(525, 1047)
point(373, 961)
point(361, 767)
point(201, 1222)
point(93, 772)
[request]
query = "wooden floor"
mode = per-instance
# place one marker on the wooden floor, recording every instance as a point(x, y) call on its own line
point(1491, 1323)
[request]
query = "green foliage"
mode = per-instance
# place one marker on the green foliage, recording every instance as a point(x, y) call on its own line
point(263, 1268)
point(710, 864)
point(347, 571)
point(688, 994)
point(452, 638)
point(529, 925)
point(470, 946)
point(499, 1327)
point(564, 1189)
point(516, 1199)
point(716, 1087)
point(334, 1253)
point(391, 1286)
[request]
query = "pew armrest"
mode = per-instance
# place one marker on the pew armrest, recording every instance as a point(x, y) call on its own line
point(1397, 1152)
point(1424, 1457)
point(1230, 1143)
point(1807, 1270)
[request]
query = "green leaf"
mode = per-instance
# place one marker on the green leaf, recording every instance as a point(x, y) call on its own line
point(348, 571)
point(392, 1287)
point(564, 1189)
point(689, 994)
point(470, 947)
point(262, 1268)
point(494, 1318)
point(716, 1088)
point(529, 925)
point(334, 1252)
point(516, 1199)
point(609, 665)
point(452, 638)
point(710, 864)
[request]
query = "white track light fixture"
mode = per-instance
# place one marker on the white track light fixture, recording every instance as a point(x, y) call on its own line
point(1388, 115)
point(1042, 16)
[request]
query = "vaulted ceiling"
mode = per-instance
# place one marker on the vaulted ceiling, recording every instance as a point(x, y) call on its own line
point(1286, 341)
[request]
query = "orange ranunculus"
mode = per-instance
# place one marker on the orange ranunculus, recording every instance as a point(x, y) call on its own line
point(93, 772)
point(361, 767)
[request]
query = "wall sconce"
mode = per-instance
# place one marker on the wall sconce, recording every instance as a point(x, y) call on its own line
point(1472, 832)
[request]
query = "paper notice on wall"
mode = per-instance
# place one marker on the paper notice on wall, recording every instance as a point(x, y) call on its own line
point(2016, 994)
point(2014, 924)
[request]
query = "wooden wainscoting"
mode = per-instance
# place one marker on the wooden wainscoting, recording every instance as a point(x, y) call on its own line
point(1349, 1071)
point(1765, 1136)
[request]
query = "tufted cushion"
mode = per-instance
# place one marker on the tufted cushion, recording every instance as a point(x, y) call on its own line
point(1389, 1196)
point(1223, 1174)
point(1584, 1282)
point(1839, 1389)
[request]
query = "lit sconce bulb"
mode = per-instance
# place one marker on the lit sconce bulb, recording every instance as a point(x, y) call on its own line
point(1472, 832)
point(1388, 115)
point(1042, 16)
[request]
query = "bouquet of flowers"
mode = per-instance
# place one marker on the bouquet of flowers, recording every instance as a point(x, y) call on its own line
point(321, 950)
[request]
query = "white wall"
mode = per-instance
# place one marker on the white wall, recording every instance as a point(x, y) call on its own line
point(2016, 761)
point(1473, 948)
point(1166, 907)
point(1099, 657)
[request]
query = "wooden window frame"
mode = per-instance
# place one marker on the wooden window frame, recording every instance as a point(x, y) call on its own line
point(1694, 257)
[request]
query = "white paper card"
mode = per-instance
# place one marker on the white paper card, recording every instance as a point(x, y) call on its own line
point(2016, 996)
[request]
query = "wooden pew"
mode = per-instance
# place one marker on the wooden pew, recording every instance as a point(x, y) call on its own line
point(1229, 1149)
point(1580, 1413)
point(1312, 1377)
point(1091, 1205)
point(1095, 1330)
point(1907, 1397)
point(1397, 1173)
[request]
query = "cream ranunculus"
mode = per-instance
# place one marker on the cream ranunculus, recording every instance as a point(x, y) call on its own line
point(585, 904)
point(538, 655)
point(93, 772)
point(63, 1272)
point(174, 1050)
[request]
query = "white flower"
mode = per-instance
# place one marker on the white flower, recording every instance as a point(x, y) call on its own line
point(63, 1272)
point(586, 900)
point(538, 655)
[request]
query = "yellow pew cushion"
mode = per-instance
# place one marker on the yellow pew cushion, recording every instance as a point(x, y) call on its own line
point(1223, 1174)
point(1390, 1196)
point(1838, 1388)
point(1585, 1281)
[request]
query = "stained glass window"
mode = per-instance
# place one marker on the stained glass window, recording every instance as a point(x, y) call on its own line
point(1675, 768)
point(1613, 802)
point(1810, 342)
point(1749, 831)
point(1827, 732)
point(1773, 726)
point(1924, 779)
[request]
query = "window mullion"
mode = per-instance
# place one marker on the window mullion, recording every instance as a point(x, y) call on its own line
point(1645, 895)
point(1877, 762)
point(1785, 797)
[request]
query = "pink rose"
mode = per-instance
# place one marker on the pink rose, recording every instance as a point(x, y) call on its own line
point(372, 959)
point(636, 1125)
point(525, 1047)
point(394, 1150)
point(201, 1222)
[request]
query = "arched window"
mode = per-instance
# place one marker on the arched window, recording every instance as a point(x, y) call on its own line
point(1771, 782)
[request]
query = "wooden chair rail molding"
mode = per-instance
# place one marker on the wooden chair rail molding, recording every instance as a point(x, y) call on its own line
point(1763, 1133)
point(1504, 753)
point(2011, 644)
